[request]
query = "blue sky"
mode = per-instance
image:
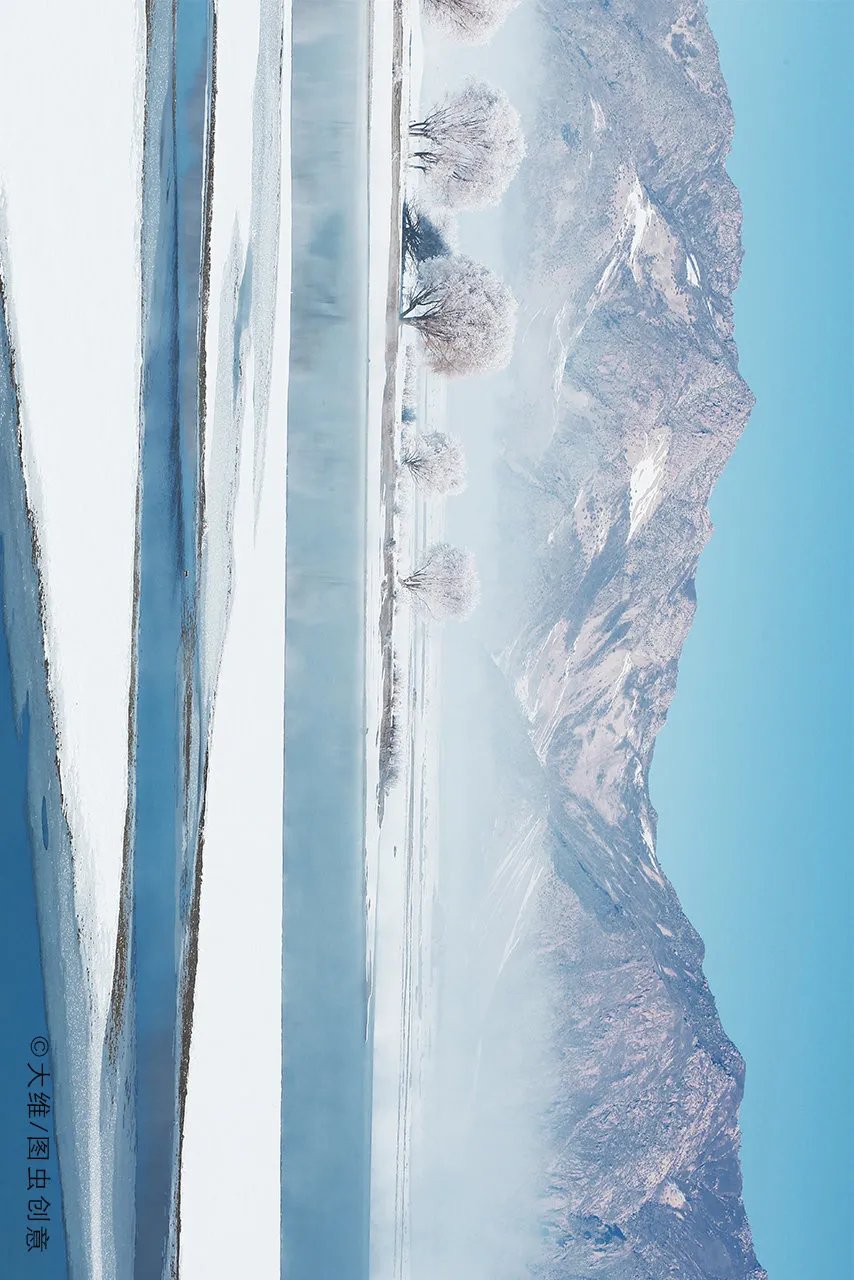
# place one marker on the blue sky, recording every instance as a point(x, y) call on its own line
point(753, 774)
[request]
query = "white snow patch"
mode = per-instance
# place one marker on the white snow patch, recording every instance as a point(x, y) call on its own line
point(645, 484)
point(672, 1196)
point(692, 270)
point(638, 216)
point(646, 831)
point(652, 873)
point(621, 678)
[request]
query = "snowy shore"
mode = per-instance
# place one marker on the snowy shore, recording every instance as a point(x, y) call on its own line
point(405, 653)
point(237, 998)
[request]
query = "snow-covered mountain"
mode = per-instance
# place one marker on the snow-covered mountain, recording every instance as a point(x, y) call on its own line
point(627, 403)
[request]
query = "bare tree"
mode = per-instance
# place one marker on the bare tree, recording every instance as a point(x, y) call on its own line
point(465, 315)
point(469, 146)
point(435, 461)
point(446, 583)
point(432, 235)
point(469, 21)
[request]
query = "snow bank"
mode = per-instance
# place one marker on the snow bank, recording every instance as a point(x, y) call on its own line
point(231, 1155)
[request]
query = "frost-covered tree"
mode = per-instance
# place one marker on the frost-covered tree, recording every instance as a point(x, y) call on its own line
point(432, 235)
point(469, 146)
point(409, 407)
point(391, 734)
point(469, 21)
point(446, 583)
point(435, 461)
point(465, 315)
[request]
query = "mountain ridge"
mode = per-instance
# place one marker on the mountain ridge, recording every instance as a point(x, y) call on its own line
point(627, 403)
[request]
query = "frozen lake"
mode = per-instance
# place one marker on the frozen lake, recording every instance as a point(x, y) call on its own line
point(326, 1063)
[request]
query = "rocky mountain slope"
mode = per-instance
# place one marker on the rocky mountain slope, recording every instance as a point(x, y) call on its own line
point(627, 404)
